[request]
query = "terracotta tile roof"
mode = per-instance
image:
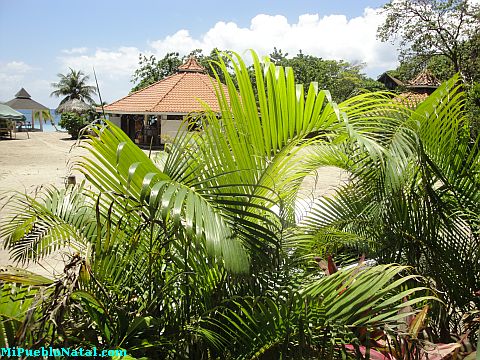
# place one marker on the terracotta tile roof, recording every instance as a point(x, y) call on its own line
point(191, 65)
point(425, 79)
point(182, 92)
point(411, 99)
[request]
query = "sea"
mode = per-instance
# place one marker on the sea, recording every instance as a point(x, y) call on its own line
point(47, 126)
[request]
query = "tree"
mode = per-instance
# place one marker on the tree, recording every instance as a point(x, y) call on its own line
point(150, 70)
point(431, 27)
point(441, 35)
point(74, 86)
point(46, 115)
point(341, 78)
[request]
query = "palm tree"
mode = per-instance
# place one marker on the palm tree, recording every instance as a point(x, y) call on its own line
point(46, 115)
point(412, 199)
point(199, 256)
point(74, 86)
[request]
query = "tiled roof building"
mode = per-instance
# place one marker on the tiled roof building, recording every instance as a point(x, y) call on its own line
point(165, 103)
point(419, 89)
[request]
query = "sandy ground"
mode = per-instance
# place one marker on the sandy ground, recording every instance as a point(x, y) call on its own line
point(27, 163)
point(46, 158)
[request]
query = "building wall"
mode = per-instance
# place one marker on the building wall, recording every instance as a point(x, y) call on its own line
point(169, 129)
point(131, 124)
point(115, 119)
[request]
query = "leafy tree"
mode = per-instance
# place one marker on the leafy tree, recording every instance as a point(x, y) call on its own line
point(440, 66)
point(74, 86)
point(150, 70)
point(432, 27)
point(278, 57)
point(342, 79)
point(441, 35)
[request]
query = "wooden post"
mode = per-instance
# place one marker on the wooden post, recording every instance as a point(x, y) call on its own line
point(41, 120)
point(33, 119)
point(159, 121)
point(145, 123)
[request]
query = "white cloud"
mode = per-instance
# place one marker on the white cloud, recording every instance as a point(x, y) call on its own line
point(111, 62)
point(329, 37)
point(12, 74)
point(78, 50)
point(16, 67)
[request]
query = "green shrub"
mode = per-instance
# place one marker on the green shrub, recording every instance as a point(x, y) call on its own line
point(73, 123)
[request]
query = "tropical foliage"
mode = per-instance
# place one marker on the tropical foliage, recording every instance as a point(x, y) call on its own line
point(74, 123)
point(340, 78)
point(74, 85)
point(203, 254)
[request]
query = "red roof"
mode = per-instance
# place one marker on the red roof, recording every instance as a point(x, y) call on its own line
point(425, 79)
point(182, 92)
point(191, 65)
point(411, 99)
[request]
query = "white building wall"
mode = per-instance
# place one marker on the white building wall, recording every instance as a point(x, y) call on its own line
point(115, 120)
point(170, 129)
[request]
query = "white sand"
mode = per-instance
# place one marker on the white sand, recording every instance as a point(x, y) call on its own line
point(26, 164)
point(45, 159)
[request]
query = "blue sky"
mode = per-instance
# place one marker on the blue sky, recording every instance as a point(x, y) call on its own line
point(46, 37)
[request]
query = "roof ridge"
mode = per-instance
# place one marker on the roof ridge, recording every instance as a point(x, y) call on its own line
point(425, 78)
point(212, 87)
point(191, 65)
point(182, 75)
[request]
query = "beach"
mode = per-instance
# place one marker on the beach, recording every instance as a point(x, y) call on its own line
point(28, 163)
point(46, 159)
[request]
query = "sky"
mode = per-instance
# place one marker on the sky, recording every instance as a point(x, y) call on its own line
point(41, 38)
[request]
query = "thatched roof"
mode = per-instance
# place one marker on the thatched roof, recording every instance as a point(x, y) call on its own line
point(73, 105)
point(24, 101)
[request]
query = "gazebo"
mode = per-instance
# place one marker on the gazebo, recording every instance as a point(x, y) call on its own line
point(23, 101)
point(153, 115)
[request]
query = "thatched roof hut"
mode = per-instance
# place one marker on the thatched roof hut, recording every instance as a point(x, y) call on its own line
point(23, 101)
point(73, 105)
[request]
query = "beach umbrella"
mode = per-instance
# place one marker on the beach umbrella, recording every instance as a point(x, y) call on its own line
point(7, 113)
point(73, 105)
